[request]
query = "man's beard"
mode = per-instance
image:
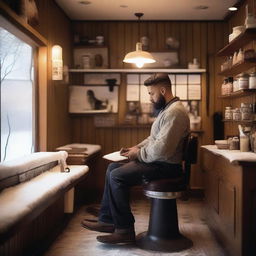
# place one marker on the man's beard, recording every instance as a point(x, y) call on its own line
point(160, 104)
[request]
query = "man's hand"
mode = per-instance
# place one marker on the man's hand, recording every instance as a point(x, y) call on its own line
point(131, 153)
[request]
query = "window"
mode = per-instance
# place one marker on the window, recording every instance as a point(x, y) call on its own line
point(17, 97)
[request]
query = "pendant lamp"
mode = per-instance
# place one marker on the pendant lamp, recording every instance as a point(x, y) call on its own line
point(139, 57)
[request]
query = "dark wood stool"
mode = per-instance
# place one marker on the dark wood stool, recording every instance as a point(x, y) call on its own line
point(163, 229)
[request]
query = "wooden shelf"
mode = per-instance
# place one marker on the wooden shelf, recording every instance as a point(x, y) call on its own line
point(240, 93)
point(244, 38)
point(126, 126)
point(137, 70)
point(240, 121)
point(238, 68)
point(80, 45)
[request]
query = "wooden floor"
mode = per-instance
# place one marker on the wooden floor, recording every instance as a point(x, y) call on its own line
point(77, 241)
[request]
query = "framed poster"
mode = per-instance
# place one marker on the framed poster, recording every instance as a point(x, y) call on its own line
point(93, 99)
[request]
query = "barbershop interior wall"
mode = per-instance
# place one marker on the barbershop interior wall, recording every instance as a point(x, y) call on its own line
point(55, 26)
point(199, 40)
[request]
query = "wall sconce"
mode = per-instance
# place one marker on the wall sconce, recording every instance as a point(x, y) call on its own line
point(57, 63)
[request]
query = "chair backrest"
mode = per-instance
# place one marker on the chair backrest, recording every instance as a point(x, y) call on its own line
point(189, 155)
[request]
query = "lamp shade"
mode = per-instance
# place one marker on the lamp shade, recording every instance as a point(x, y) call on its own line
point(139, 57)
point(56, 52)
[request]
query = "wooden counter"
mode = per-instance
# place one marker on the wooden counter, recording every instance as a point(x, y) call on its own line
point(230, 189)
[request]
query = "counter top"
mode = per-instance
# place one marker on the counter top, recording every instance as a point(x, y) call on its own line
point(234, 156)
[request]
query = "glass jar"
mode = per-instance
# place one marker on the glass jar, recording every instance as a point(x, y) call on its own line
point(224, 87)
point(235, 85)
point(243, 81)
point(234, 143)
point(228, 113)
point(229, 85)
point(246, 111)
point(236, 114)
point(252, 81)
point(86, 61)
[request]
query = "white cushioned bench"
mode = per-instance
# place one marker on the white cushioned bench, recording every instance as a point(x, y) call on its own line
point(25, 197)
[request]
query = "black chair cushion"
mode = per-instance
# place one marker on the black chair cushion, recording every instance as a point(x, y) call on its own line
point(166, 185)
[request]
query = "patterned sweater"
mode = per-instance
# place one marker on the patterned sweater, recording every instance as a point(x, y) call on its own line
point(167, 134)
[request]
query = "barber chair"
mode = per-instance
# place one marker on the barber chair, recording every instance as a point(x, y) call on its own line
point(163, 229)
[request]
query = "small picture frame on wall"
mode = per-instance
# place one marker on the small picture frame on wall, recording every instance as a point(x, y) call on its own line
point(91, 57)
point(93, 99)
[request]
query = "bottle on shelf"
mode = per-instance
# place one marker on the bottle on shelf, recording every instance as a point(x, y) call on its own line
point(240, 56)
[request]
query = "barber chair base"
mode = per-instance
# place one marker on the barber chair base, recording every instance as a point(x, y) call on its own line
point(147, 242)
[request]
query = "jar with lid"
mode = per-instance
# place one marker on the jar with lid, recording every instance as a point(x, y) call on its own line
point(229, 85)
point(224, 87)
point(246, 111)
point(252, 81)
point(228, 113)
point(236, 114)
point(234, 143)
point(243, 81)
point(86, 61)
point(235, 85)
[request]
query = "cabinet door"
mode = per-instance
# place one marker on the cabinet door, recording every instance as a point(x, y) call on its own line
point(227, 207)
point(212, 189)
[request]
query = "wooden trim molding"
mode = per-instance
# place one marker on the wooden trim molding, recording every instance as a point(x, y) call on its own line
point(19, 23)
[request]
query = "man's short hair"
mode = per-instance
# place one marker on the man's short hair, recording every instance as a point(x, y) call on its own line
point(158, 78)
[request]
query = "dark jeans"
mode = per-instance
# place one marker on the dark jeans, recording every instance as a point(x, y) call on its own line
point(115, 207)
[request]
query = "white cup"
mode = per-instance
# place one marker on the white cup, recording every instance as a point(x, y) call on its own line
point(100, 40)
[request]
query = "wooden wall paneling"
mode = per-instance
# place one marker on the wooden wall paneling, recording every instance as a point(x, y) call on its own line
point(56, 27)
point(143, 29)
point(120, 44)
point(115, 140)
point(183, 46)
point(152, 33)
point(88, 130)
point(129, 43)
point(134, 137)
point(122, 100)
point(76, 129)
point(113, 44)
point(204, 42)
point(189, 42)
point(160, 36)
point(196, 41)
point(108, 140)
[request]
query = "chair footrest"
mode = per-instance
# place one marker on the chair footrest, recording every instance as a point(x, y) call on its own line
point(163, 195)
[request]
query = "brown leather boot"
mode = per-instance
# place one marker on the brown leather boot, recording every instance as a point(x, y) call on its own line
point(118, 238)
point(98, 226)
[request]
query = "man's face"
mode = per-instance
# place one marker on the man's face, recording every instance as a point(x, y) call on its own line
point(156, 97)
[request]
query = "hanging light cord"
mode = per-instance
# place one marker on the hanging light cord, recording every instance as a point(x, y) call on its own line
point(139, 15)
